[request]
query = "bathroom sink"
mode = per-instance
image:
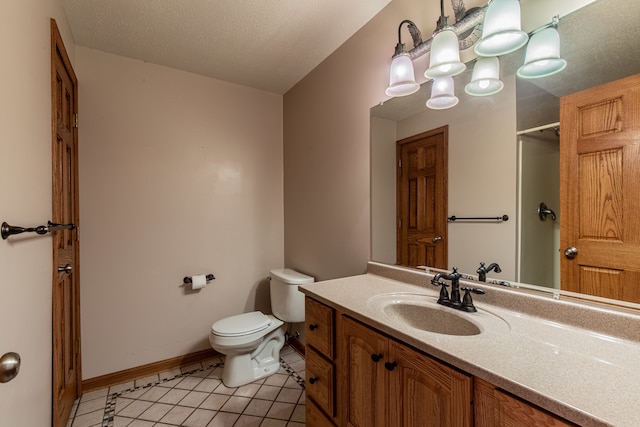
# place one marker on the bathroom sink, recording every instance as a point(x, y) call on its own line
point(436, 319)
point(422, 312)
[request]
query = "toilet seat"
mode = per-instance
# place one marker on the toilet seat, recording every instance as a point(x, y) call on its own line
point(241, 324)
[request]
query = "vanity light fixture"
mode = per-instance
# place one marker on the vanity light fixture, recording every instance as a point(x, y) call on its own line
point(445, 60)
point(442, 94)
point(499, 24)
point(402, 79)
point(543, 54)
point(501, 33)
point(485, 79)
point(445, 53)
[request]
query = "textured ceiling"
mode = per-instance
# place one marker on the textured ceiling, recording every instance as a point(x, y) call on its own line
point(265, 44)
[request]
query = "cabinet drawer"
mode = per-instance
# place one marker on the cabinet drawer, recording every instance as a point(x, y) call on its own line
point(320, 381)
point(319, 323)
point(315, 417)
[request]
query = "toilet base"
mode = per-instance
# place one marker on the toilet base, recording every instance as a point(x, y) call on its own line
point(241, 369)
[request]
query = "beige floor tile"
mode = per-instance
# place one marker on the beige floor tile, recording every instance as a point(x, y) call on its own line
point(199, 418)
point(236, 404)
point(156, 412)
point(281, 410)
point(223, 419)
point(193, 399)
point(215, 402)
point(177, 415)
point(258, 407)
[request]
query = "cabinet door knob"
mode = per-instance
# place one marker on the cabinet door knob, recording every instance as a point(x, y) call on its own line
point(390, 365)
point(376, 357)
point(312, 380)
point(313, 327)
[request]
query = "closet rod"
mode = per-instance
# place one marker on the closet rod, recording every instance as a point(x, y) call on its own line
point(543, 127)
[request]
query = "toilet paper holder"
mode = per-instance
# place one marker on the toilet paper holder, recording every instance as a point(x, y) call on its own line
point(187, 279)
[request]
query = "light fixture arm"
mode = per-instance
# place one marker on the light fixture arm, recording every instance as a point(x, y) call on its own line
point(464, 25)
point(416, 36)
point(553, 24)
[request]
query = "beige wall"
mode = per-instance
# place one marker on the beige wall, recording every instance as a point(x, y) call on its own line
point(25, 191)
point(179, 175)
point(326, 149)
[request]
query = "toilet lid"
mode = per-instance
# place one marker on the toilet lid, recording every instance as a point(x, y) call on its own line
point(241, 324)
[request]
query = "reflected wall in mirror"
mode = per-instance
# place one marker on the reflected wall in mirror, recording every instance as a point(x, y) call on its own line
point(493, 170)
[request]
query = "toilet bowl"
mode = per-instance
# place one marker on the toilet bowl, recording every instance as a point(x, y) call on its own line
point(251, 342)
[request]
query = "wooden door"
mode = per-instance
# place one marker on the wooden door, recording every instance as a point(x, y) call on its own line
point(426, 393)
point(422, 199)
point(600, 190)
point(66, 298)
point(364, 390)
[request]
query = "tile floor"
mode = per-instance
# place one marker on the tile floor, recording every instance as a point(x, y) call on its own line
point(194, 396)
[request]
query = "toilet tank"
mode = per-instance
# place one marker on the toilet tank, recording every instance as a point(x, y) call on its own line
point(287, 302)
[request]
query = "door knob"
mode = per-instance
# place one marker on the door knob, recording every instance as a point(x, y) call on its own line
point(571, 252)
point(9, 366)
point(437, 239)
point(66, 269)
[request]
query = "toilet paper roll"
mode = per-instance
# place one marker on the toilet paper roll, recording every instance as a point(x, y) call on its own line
point(198, 282)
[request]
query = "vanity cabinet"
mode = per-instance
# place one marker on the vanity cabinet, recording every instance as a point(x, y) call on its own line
point(385, 383)
point(358, 377)
point(496, 408)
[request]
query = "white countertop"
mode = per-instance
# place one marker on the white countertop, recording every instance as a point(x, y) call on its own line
point(587, 377)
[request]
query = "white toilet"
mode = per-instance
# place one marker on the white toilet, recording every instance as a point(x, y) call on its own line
point(252, 341)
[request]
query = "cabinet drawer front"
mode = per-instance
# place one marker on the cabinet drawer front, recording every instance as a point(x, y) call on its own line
point(320, 381)
point(319, 327)
point(315, 417)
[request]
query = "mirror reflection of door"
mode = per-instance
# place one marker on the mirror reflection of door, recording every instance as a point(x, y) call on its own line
point(422, 199)
point(600, 183)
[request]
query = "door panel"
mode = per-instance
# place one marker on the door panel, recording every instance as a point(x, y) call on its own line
point(66, 298)
point(422, 199)
point(600, 187)
point(365, 387)
point(427, 393)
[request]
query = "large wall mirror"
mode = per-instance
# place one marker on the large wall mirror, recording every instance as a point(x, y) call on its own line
point(503, 150)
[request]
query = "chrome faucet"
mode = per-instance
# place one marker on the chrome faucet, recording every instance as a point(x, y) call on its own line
point(454, 301)
point(482, 270)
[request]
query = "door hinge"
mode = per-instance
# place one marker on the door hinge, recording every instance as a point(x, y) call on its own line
point(75, 120)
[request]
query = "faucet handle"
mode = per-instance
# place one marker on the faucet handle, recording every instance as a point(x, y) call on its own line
point(444, 294)
point(467, 301)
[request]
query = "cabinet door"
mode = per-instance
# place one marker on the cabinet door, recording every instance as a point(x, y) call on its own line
point(513, 412)
point(364, 395)
point(424, 392)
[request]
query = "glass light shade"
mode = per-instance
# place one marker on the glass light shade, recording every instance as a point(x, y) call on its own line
point(543, 55)
point(445, 55)
point(485, 79)
point(402, 80)
point(501, 33)
point(442, 94)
